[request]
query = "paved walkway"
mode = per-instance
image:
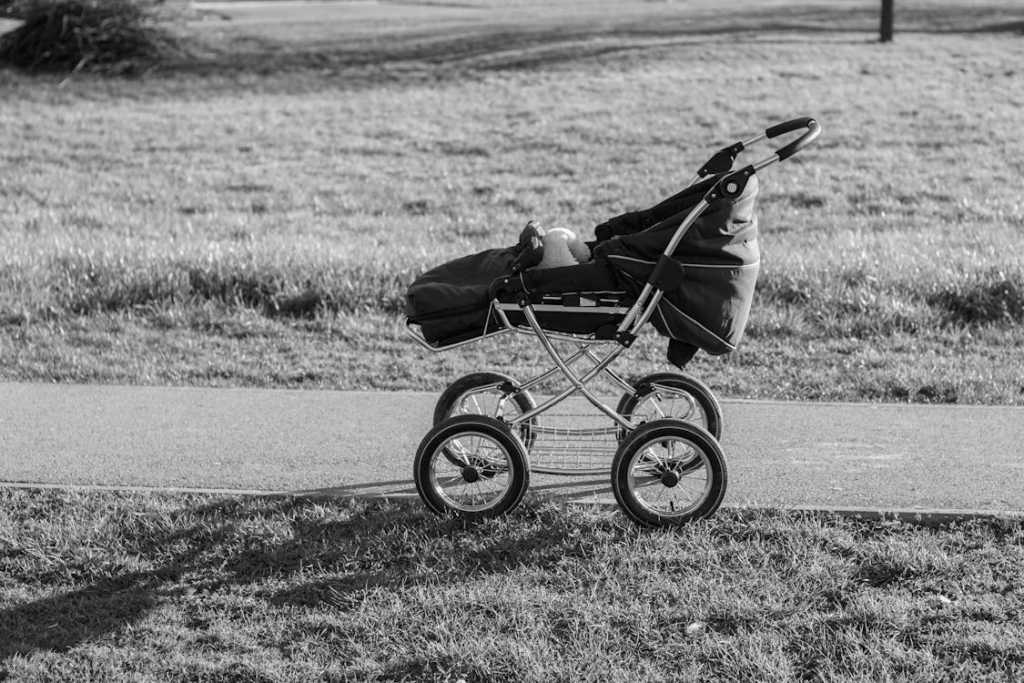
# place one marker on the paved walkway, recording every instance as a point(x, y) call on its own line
point(876, 458)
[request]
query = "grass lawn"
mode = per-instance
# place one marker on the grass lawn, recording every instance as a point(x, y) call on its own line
point(253, 215)
point(110, 587)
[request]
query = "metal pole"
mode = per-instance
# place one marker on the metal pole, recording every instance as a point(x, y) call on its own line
point(886, 29)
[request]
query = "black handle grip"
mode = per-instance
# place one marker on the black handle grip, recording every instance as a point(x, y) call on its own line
point(788, 127)
point(813, 131)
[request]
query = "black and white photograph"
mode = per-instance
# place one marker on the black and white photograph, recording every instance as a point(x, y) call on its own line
point(471, 341)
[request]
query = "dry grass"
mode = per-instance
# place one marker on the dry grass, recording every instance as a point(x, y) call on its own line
point(306, 201)
point(152, 587)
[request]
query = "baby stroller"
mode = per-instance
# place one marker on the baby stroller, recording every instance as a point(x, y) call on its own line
point(687, 265)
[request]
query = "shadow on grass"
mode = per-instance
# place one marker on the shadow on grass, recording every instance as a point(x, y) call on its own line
point(560, 488)
point(69, 617)
point(490, 45)
point(123, 571)
point(240, 543)
point(538, 536)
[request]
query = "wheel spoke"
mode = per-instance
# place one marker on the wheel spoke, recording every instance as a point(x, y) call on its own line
point(481, 476)
point(647, 481)
point(678, 397)
point(649, 458)
point(476, 409)
point(658, 492)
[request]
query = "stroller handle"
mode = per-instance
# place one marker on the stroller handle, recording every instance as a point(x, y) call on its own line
point(723, 159)
point(788, 127)
point(813, 131)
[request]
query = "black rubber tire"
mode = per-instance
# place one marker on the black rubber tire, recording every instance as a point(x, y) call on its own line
point(457, 390)
point(700, 392)
point(707, 457)
point(464, 385)
point(511, 473)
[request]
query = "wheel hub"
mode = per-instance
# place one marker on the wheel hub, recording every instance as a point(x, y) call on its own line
point(471, 474)
point(669, 479)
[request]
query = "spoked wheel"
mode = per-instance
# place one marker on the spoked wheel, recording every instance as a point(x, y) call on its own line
point(669, 472)
point(673, 395)
point(471, 466)
point(486, 393)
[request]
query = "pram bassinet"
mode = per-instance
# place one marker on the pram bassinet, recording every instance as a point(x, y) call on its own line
point(705, 307)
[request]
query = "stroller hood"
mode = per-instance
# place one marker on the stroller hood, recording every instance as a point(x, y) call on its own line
point(720, 260)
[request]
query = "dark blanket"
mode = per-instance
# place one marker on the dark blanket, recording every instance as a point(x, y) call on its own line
point(452, 299)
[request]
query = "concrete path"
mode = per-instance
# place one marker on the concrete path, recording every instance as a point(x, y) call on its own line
point(789, 455)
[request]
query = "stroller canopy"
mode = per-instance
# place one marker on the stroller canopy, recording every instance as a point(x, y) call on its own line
point(719, 255)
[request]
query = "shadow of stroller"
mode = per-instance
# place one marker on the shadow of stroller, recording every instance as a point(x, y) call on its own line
point(395, 488)
point(566, 489)
point(206, 548)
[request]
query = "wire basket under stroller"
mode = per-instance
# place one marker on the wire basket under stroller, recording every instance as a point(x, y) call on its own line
point(688, 266)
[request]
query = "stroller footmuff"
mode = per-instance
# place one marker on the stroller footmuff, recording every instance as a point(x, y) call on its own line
point(687, 265)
